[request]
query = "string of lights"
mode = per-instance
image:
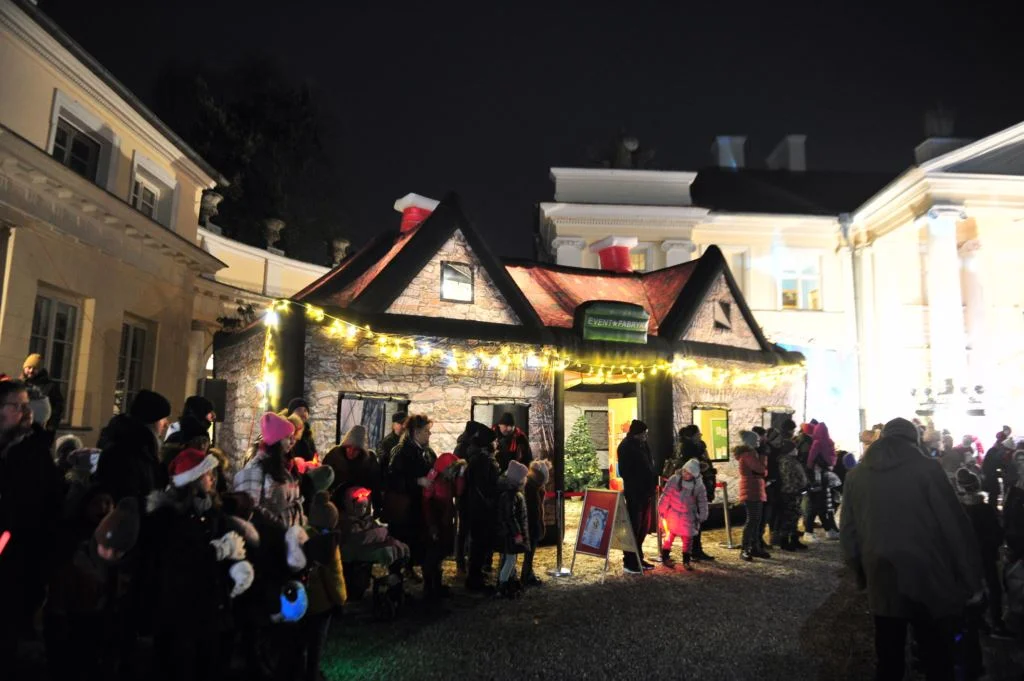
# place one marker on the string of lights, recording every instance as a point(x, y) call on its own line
point(503, 357)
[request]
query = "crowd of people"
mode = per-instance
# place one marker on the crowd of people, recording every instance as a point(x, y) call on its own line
point(153, 544)
point(151, 549)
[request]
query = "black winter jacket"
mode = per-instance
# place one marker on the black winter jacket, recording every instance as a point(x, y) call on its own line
point(129, 464)
point(636, 467)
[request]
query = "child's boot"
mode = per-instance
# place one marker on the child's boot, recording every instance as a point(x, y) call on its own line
point(687, 562)
point(666, 558)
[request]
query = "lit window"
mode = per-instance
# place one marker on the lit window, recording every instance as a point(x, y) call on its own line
point(800, 282)
point(144, 198)
point(457, 282)
point(638, 260)
point(714, 431)
point(76, 150)
point(53, 335)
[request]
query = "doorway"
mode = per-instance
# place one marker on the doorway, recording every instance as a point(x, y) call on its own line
point(489, 410)
point(370, 410)
point(597, 412)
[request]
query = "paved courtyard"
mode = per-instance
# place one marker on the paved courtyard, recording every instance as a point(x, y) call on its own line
point(797, 616)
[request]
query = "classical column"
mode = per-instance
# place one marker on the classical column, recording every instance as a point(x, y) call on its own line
point(974, 314)
point(947, 341)
point(568, 250)
point(677, 251)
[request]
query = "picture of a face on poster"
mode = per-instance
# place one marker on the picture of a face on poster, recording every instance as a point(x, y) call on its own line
point(593, 529)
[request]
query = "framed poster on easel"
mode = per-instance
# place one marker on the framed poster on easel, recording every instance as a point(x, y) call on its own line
point(604, 526)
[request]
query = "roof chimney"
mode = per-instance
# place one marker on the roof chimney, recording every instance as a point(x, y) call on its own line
point(414, 209)
point(727, 151)
point(614, 252)
point(789, 154)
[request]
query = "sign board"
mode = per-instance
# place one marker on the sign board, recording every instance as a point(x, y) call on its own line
point(719, 439)
point(612, 321)
point(604, 526)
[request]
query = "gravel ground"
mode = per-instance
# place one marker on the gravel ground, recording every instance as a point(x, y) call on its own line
point(796, 616)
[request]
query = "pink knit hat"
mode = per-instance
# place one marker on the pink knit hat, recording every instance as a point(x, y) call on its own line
point(275, 428)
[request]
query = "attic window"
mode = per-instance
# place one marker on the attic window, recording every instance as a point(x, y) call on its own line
point(456, 282)
point(723, 315)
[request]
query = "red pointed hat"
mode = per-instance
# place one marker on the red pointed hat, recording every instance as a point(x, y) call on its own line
point(190, 465)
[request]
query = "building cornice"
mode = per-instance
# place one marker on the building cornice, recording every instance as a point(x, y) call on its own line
point(1011, 135)
point(561, 211)
point(131, 114)
point(51, 186)
point(206, 236)
point(625, 176)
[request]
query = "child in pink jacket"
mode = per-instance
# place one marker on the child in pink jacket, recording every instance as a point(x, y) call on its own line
point(683, 507)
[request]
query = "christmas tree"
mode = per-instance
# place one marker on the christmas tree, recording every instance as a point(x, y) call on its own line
point(581, 468)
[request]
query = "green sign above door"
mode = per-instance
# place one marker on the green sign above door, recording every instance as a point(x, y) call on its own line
point(612, 321)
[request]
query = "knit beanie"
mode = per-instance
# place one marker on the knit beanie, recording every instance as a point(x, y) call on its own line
point(275, 428)
point(33, 361)
point(149, 407)
point(356, 437)
point(399, 417)
point(323, 515)
point(636, 427)
point(967, 481)
point(322, 477)
point(692, 467)
point(516, 473)
point(189, 428)
point(297, 403)
point(119, 530)
point(901, 428)
point(749, 438)
point(541, 468)
point(507, 419)
point(198, 406)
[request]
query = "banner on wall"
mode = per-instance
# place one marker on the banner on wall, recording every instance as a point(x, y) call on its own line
point(612, 321)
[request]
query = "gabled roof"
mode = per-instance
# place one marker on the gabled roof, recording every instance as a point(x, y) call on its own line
point(556, 291)
point(377, 275)
point(784, 192)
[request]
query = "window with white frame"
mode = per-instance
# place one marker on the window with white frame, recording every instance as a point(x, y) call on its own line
point(641, 258)
point(457, 282)
point(800, 281)
point(153, 190)
point(82, 141)
point(54, 335)
point(75, 149)
point(132, 363)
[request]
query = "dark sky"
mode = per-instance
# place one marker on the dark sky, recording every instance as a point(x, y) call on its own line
point(483, 99)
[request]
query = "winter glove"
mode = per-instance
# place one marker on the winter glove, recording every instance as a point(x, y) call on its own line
point(242, 573)
point(294, 538)
point(229, 547)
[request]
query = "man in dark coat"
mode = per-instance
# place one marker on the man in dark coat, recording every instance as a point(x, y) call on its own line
point(305, 448)
point(129, 464)
point(387, 446)
point(477, 506)
point(912, 546)
point(407, 476)
point(197, 407)
point(639, 481)
point(513, 445)
point(36, 377)
point(994, 468)
point(30, 506)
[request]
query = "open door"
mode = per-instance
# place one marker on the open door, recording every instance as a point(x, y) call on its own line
point(621, 412)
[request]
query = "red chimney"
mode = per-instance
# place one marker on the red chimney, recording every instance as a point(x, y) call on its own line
point(414, 209)
point(614, 252)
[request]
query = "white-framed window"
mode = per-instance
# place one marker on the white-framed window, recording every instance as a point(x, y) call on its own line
point(54, 335)
point(456, 282)
point(76, 149)
point(800, 281)
point(641, 257)
point(82, 141)
point(133, 368)
point(153, 190)
point(144, 197)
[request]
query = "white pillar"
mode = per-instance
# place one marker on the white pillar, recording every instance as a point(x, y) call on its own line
point(974, 315)
point(868, 368)
point(568, 250)
point(947, 341)
point(677, 251)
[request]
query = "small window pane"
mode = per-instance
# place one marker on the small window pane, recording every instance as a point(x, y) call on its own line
point(790, 296)
point(456, 282)
point(810, 295)
point(638, 261)
point(76, 150)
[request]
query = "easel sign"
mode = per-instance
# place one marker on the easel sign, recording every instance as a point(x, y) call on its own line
point(604, 526)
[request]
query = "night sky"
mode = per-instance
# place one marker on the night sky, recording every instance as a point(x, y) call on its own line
point(483, 100)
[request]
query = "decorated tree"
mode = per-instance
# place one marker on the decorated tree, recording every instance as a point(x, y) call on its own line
point(581, 466)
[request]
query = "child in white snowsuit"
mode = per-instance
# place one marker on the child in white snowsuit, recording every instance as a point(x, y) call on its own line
point(683, 507)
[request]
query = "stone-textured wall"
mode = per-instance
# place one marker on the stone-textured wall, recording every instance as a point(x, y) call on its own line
point(423, 296)
point(446, 396)
point(746, 405)
point(703, 328)
point(241, 366)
